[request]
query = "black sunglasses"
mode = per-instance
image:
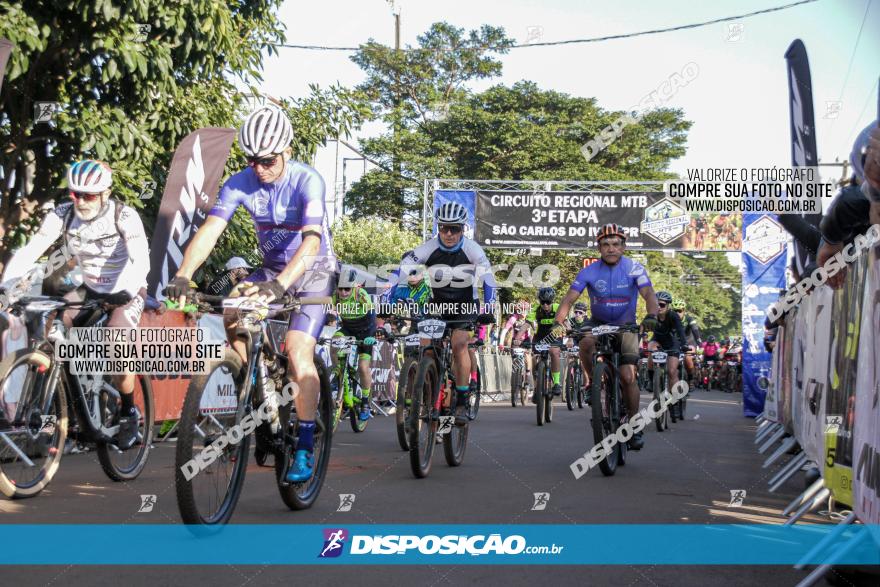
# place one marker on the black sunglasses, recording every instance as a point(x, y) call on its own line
point(450, 228)
point(262, 161)
point(661, 304)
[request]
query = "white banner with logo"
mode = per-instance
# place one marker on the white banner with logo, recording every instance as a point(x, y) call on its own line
point(810, 395)
point(866, 429)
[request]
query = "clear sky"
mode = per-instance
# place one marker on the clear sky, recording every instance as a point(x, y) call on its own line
point(738, 103)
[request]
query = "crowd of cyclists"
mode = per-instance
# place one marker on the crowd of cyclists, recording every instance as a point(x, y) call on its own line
point(285, 200)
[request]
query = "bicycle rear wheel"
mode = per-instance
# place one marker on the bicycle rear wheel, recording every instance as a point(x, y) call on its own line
point(208, 482)
point(474, 397)
point(540, 405)
point(423, 428)
point(603, 418)
point(455, 444)
point(357, 425)
point(301, 496)
point(408, 373)
point(127, 465)
point(579, 386)
point(33, 435)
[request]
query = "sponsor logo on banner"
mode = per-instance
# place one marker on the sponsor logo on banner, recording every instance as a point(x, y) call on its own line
point(765, 240)
point(334, 542)
point(665, 221)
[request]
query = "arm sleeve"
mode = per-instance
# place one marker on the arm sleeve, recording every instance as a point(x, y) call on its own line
point(580, 281)
point(25, 259)
point(483, 272)
point(698, 336)
point(313, 198)
point(848, 211)
point(227, 202)
point(640, 276)
point(134, 276)
point(679, 329)
point(804, 232)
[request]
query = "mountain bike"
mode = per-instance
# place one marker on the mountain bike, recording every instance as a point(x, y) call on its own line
point(731, 377)
point(42, 403)
point(659, 388)
point(543, 383)
point(349, 396)
point(405, 387)
point(234, 399)
point(519, 382)
point(679, 408)
point(643, 374)
point(608, 408)
point(433, 394)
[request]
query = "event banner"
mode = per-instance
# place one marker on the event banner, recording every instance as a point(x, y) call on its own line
point(803, 131)
point(5, 52)
point(571, 220)
point(866, 428)
point(189, 195)
point(840, 404)
point(817, 311)
point(764, 260)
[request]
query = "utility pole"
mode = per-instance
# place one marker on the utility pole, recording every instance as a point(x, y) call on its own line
point(396, 164)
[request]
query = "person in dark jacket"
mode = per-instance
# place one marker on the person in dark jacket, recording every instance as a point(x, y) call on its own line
point(236, 270)
point(850, 212)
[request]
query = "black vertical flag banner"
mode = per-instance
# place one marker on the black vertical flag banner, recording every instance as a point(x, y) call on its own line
point(803, 131)
point(5, 52)
point(189, 195)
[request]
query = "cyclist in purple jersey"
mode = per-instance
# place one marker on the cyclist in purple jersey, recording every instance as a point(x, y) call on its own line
point(285, 198)
point(614, 285)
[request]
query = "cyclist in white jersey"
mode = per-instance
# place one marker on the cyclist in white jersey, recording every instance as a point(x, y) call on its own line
point(107, 241)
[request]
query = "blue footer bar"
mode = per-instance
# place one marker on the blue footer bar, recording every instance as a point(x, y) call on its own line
point(617, 544)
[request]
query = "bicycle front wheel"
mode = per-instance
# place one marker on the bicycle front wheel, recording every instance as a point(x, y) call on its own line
point(208, 481)
point(127, 465)
point(603, 417)
point(662, 421)
point(540, 384)
point(33, 430)
point(405, 387)
point(423, 427)
point(474, 397)
point(300, 496)
point(357, 399)
point(569, 389)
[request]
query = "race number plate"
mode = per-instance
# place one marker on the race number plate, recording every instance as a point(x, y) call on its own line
point(340, 342)
point(432, 328)
point(519, 352)
point(659, 357)
point(540, 348)
point(605, 329)
point(411, 340)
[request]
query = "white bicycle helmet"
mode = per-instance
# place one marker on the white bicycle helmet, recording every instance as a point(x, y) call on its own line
point(265, 131)
point(89, 176)
point(451, 213)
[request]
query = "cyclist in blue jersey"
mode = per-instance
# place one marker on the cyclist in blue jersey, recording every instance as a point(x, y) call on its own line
point(285, 198)
point(614, 285)
point(456, 266)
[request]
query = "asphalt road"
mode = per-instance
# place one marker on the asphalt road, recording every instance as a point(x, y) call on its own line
point(684, 475)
